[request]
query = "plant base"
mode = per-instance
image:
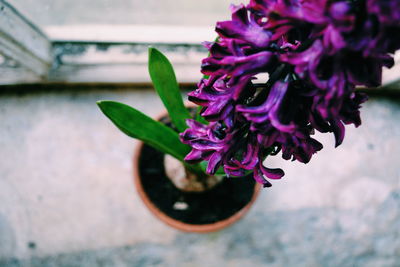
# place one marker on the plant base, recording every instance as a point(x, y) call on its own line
point(190, 211)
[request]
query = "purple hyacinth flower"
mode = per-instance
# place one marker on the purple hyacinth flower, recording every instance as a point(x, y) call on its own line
point(315, 53)
point(244, 28)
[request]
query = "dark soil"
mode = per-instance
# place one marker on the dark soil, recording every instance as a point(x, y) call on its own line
point(217, 204)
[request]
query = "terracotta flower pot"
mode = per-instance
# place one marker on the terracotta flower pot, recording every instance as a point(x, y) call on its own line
point(180, 225)
point(158, 193)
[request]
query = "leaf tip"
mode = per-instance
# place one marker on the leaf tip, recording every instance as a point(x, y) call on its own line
point(101, 103)
point(104, 105)
point(154, 52)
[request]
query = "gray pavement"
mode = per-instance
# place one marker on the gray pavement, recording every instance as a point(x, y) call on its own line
point(67, 196)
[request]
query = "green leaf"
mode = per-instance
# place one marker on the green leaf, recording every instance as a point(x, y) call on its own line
point(164, 80)
point(137, 125)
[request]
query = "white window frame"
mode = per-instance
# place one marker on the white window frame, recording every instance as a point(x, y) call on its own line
point(24, 48)
point(102, 53)
point(118, 54)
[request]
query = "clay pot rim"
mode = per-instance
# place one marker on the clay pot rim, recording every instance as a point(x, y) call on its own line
point(186, 227)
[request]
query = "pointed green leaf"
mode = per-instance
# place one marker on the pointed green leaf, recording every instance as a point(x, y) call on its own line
point(164, 80)
point(137, 125)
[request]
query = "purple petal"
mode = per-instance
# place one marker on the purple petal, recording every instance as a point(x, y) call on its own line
point(258, 176)
point(214, 163)
point(271, 173)
point(338, 131)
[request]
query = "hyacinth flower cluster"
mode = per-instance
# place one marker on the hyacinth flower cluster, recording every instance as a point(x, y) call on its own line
point(315, 53)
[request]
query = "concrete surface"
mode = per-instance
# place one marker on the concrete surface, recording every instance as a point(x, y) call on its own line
point(67, 196)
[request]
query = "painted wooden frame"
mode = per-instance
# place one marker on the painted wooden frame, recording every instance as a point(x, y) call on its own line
point(25, 50)
point(102, 53)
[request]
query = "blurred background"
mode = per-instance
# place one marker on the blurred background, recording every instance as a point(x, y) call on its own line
point(66, 191)
point(120, 12)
